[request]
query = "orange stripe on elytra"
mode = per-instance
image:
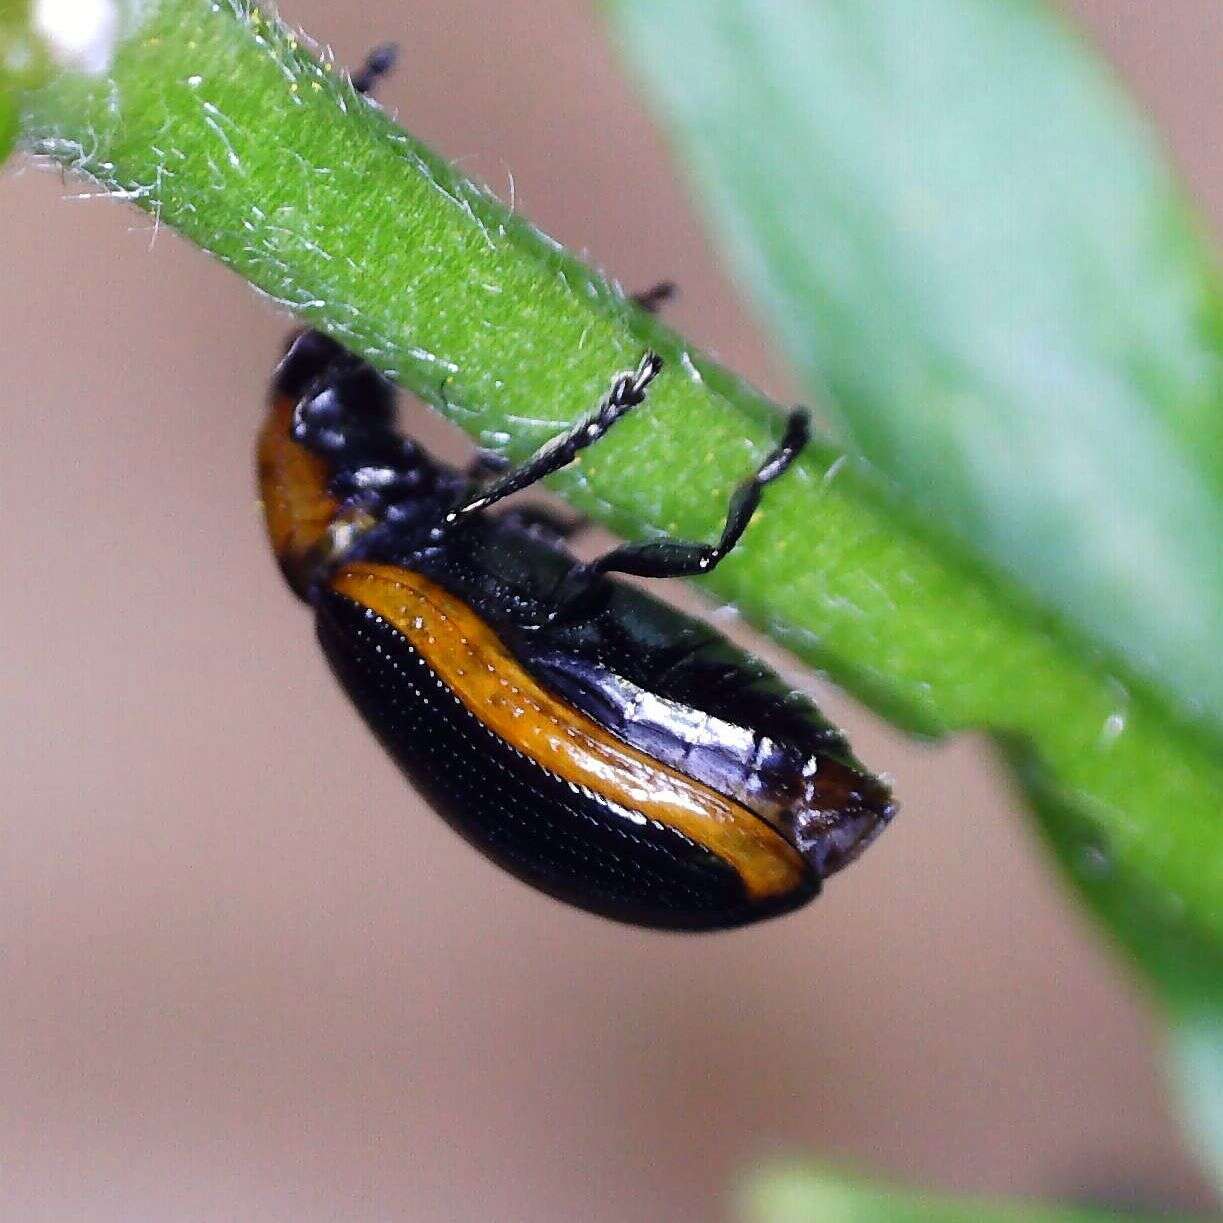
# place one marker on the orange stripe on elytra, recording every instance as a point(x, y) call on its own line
point(471, 660)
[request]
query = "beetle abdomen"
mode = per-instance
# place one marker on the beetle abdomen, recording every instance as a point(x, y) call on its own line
point(536, 784)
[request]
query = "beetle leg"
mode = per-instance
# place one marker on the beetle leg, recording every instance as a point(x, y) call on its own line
point(666, 558)
point(654, 297)
point(627, 391)
point(377, 64)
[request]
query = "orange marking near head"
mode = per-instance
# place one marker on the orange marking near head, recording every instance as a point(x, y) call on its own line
point(475, 665)
point(293, 486)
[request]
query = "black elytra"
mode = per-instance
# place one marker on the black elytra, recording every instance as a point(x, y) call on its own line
point(592, 740)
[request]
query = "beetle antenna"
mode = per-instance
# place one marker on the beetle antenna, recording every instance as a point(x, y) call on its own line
point(627, 391)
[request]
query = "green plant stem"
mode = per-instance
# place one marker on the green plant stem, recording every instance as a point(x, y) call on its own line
point(218, 122)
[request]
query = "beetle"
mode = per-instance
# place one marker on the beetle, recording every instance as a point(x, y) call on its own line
point(589, 738)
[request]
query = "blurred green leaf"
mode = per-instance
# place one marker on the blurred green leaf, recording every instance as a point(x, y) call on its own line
point(816, 1195)
point(1197, 1060)
point(977, 258)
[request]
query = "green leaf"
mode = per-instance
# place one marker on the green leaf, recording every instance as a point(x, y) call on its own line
point(816, 1195)
point(976, 257)
point(216, 120)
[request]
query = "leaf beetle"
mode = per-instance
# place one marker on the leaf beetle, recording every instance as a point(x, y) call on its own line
point(597, 743)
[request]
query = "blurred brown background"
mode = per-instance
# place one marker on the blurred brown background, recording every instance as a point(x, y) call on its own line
point(246, 976)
